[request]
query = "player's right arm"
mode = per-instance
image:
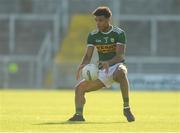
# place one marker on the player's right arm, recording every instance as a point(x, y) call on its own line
point(87, 55)
point(85, 60)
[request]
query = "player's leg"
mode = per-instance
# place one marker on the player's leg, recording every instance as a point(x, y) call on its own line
point(120, 76)
point(80, 90)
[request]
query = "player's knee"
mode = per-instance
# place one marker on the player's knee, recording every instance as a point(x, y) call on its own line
point(121, 74)
point(80, 88)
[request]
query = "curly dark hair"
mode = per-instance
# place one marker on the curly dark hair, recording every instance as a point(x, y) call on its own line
point(102, 11)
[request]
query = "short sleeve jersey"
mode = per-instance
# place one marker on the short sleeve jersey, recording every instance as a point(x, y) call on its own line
point(106, 42)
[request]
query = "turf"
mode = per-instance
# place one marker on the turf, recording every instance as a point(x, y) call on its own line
point(37, 110)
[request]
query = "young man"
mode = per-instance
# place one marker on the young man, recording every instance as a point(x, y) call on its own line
point(110, 43)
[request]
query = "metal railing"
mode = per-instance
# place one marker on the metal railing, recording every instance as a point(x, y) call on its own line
point(36, 65)
point(30, 75)
point(7, 76)
point(12, 30)
point(153, 19)
point(44, 58)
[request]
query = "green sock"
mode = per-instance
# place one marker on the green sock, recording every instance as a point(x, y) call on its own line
point(126, 102)
point(79, 111)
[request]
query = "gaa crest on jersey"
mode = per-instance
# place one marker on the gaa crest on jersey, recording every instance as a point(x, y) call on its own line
point(112, 40)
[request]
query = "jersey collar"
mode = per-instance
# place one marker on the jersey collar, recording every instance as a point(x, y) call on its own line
point(108, 31)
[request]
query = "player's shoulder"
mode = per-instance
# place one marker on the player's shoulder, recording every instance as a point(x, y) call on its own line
point(117, 30)
point(94, 32)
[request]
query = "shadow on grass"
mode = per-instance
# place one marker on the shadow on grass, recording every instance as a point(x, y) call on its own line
point(69, 122)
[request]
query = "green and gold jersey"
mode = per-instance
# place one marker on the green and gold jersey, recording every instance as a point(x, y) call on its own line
point(106, 42)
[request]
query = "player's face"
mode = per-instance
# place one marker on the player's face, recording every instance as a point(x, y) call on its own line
point(102, 23)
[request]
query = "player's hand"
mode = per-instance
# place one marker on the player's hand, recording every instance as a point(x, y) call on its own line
point(78, 74)
point(105, 65)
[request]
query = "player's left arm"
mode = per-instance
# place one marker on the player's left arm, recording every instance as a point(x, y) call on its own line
point(120, 52)
point(120, 48)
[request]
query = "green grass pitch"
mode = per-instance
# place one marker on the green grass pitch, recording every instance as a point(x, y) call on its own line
point(48, 110)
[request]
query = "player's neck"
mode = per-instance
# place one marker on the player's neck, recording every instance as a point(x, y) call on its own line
point(108, 28)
